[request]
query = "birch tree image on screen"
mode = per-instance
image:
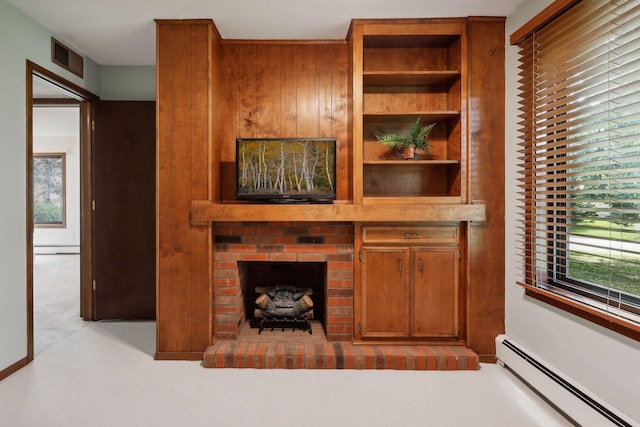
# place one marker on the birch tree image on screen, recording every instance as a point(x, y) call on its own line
point(303, 167)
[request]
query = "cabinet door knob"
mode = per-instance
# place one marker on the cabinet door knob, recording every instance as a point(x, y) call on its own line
point(400, 264)
point(411, 235)
point(421, 264)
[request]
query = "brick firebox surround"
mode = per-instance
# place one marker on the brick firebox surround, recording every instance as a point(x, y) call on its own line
point(329, 242)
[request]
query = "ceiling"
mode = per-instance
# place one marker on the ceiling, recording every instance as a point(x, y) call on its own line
point(122, 32)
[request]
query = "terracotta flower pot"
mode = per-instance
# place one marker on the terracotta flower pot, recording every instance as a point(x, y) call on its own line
point(409, 153)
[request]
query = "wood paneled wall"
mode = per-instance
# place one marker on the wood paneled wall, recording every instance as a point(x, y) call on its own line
point(209, 92)
point(284, 89)
point(485, 290)
point(186, 51)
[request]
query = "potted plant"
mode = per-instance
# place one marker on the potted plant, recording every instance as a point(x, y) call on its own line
point(415, 140)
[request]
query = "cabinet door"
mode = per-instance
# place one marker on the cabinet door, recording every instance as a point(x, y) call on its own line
point(435, 292)
point(385, 292)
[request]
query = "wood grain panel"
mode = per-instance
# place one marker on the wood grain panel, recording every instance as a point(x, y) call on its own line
point(181, 188)
point(340, 118)
point(206, 211)
point(485, 291)
point(292, 89)
point(355, 90)
point(307, 91)
point(184, 140)
point(435, 292)
point(288, 94)
point(163, 189)
point(200, 163)
point(246, 63)
point(324, 66)
point(268, 91)
point(497, 204)
point(229, 101)
point(216, 126)
point(385, 301)
point(229, 129)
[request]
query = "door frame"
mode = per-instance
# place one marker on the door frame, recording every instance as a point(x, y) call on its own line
point(85, 99)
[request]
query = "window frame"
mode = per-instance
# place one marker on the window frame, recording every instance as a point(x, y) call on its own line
point(574, 296)
point(63, 184)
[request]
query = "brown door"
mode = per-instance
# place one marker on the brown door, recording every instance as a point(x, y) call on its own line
point(385, 296)
point(123, 173)
point(435, 293)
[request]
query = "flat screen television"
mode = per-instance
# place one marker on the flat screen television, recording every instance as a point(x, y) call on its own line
point(280, 170)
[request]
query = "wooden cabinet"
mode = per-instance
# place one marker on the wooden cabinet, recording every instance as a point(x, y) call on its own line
point(385, 292)
point(408, 284)
point(434, 306)
point(404, 70)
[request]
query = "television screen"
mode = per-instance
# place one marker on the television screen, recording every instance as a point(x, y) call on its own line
point(286, 169)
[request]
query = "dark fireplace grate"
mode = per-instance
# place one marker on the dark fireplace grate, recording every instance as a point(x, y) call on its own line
point(284, 307)
point(284, 323)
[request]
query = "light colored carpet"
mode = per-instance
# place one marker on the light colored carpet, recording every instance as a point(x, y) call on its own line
point(56, 299)
point(105, 375)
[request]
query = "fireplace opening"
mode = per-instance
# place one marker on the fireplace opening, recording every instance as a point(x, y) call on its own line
point(309, 278)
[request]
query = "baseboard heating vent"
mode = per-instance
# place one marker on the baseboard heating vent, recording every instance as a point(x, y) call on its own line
point(565, 396)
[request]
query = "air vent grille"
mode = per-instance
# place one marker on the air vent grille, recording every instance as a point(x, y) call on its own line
point(67, 58)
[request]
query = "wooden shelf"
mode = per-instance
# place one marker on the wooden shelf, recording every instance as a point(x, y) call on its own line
point(410, 115)
point(412, 200)
point(387, 40)
point(410, 162)
point(409, 78)
point(208, 211)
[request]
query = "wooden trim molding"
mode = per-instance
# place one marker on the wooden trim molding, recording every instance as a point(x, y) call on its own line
point(551, 12)
point(66, 85)
point(179, 355)
point(282, 42)
point(198, 21)
point(583, 311)
point(15, 367)
point(54, 102)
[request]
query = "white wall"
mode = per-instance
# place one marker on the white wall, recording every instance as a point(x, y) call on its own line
point(20, 39)
point(603, 362)
point(57, 130)
point(137, 83)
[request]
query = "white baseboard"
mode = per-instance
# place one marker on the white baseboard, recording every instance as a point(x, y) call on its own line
point(52, 250)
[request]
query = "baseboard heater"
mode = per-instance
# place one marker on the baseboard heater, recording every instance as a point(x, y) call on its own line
point(562, 394)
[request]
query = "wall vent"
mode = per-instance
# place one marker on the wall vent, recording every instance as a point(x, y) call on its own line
point(67, 58)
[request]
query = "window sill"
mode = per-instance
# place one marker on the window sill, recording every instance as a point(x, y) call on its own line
point(592, 314)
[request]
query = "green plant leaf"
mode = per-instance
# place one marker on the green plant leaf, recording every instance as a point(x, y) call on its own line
point(417, 137)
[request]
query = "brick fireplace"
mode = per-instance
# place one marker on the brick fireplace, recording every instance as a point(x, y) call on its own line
point(331, 246)
point(327, 243)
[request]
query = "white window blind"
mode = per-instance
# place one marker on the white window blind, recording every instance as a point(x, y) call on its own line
point(580, 152)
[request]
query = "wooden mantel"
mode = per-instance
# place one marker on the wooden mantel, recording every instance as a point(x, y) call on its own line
point(208, 211)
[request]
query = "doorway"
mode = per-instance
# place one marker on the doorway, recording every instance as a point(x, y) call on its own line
point(56, 215)
point(63, 224)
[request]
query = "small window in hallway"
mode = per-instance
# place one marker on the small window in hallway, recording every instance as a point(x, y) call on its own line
point(49, 189)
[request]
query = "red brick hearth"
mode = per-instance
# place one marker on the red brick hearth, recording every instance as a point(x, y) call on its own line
point(300, 350)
